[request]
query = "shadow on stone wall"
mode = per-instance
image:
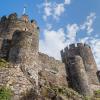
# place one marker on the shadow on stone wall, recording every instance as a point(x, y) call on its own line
point(30, 95)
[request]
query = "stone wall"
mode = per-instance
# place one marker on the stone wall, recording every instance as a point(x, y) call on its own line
point(55, 69)
point(16, 80)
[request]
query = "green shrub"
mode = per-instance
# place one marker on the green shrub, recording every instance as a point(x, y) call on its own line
point(3, 63)
point(97, 92)
point(87, 98)
point(5, 93)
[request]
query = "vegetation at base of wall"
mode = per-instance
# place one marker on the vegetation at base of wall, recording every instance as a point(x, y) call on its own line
point(57, 91)
point(96, 96)
point(5, 93)
point(97, 92)
point(88, 98)
point(3, 63)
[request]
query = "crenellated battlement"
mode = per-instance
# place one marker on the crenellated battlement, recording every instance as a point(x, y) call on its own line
point(14, 18)
point(77, 45)
point(10, 17)
point(9, 24)
point(74, 49)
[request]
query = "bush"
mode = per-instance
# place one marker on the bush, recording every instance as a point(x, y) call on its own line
point(5, 93)
point(97, 92)
point(3, 63)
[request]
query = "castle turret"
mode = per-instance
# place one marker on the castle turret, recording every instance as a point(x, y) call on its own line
point(19, 43)
point(79, 79)
point(9, 25)
point(80, 67)
point(24, 48)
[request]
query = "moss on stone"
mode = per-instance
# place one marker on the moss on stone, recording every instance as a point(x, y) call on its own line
point(5, 93)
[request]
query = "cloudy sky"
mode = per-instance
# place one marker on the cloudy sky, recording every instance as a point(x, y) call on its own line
point(61, 22)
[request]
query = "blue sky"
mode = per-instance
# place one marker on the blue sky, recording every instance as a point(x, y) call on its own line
point(61, 22)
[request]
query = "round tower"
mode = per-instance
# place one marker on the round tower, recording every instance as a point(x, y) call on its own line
point(9, 25)
point(89, 62)
point(78, 76)
point(24, 55)
point(24, 47)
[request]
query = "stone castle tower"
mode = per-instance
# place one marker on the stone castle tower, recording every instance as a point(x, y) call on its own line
point(30, 69)
point(19, 45)
point(9, 27)
point(19, 41)
point(80, 67)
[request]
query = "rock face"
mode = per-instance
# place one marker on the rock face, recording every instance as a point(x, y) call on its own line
point(29, 70)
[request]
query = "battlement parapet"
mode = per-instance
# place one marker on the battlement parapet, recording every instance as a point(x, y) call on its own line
point(71, 46)
point(74, 46)
point(3, 19)
point(80, 45)
point(14, 17)
point(73, 50)
point(9, 24)
point(11, 17)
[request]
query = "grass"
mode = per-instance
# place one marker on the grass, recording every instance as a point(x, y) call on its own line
point(5, 93)
point(97, 92)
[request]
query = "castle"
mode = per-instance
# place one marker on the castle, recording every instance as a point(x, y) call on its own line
point(28, 68)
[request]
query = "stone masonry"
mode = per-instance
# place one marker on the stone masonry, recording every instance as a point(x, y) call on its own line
point(81, 68)
point(29, 69)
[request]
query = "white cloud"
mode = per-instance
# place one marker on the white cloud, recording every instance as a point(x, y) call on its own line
point(67, 2)
point(57, 40)
point(88, 23)
point(47, 10)
point(72, 31)
point(54, 9)
point(53, 42)
point(58, 10)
